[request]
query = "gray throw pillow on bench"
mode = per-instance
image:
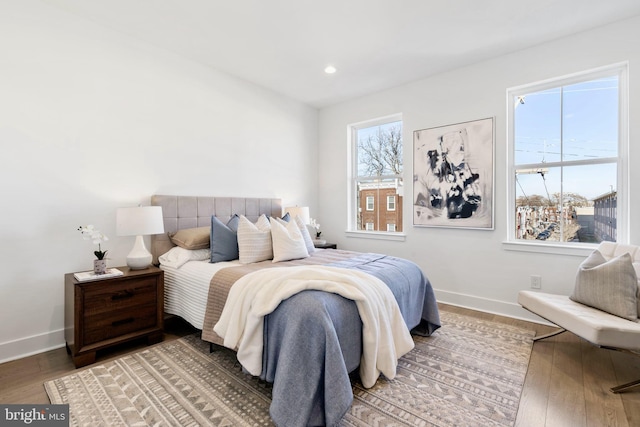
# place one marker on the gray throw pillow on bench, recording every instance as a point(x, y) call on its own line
point(610, 286)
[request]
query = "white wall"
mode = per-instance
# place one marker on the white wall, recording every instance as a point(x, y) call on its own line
point(92, 120)
point(471, 267)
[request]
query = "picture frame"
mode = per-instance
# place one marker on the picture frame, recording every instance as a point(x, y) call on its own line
point(454, 174)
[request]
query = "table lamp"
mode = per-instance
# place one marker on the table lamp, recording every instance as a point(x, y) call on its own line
point(301, 211)
point(139, 221)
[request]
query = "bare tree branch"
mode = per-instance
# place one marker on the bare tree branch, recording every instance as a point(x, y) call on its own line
point(381, 154)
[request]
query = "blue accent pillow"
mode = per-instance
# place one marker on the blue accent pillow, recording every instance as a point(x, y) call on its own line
point(286, 217)
point(224, 239)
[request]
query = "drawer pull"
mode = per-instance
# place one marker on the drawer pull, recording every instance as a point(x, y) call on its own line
point(122, 295)
point(122, 322)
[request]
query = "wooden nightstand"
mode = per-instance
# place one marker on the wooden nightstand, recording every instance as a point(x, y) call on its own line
point(326, 245)
point(102, 313)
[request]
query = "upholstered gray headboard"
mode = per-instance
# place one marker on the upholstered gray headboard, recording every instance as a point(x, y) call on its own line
point(181, 212)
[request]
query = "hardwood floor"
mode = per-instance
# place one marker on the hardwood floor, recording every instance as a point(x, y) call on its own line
point(21, 381)
point(567, 383)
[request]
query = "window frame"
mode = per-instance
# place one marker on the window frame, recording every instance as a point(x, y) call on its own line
point(391, 200)
point(373, 203)
point(353, 179)
point(622, 214)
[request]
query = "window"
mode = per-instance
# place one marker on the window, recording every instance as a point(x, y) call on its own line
point(391, 203)
point(376, 174)
point(567, 157)
point(370, 203)
point(391, 227)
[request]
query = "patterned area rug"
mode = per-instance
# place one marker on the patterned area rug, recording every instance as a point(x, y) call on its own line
point(469, 373)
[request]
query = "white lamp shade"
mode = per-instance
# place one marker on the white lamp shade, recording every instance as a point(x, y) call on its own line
point(301, 211)
point(139, 221)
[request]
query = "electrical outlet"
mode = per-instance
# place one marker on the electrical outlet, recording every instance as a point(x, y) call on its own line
point(536, 282)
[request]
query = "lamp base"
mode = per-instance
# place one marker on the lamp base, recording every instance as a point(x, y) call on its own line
point(139, 258)
point(138, 264)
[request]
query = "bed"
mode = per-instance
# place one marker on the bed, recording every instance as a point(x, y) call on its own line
point(313, 340)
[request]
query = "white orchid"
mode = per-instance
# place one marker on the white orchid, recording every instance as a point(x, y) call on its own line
point(316, 225)
point(96, 236)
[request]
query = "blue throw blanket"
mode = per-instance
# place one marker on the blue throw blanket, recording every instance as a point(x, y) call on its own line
point(313, 341)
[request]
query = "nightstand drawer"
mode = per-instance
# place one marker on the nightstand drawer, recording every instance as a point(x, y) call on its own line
point(123, 295)
point(120, 322)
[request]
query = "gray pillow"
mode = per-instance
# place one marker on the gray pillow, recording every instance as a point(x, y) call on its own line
point(224, 239)
point(610, 286)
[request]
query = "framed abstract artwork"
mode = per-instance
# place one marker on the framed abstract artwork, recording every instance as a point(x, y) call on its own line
point(453, 175)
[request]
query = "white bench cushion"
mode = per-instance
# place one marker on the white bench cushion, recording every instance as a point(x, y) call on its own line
point(596, 326)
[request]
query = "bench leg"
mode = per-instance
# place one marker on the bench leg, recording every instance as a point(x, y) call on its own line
point(617, 389)
point(624, 387)
point(549, 335)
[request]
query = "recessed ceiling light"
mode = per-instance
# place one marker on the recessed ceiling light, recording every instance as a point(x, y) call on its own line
point(330, 69)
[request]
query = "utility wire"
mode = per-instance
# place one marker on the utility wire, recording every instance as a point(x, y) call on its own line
point(522, 189)
point(544, 182)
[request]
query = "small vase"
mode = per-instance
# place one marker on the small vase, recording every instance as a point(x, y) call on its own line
point(99, 266)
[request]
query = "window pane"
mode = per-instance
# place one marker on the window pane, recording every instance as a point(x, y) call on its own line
point(391, 203)
point(557, 204)
point(372, 211)
point(594, 103)
point(537, 127)
point(380, 150)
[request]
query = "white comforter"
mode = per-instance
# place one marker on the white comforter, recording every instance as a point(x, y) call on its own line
point(385, 336)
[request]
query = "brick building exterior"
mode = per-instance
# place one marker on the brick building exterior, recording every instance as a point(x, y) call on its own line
point(380, 207)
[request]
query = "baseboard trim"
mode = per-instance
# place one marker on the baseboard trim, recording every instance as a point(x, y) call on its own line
point(488, 305)
point(28, 346)
point(35, 344)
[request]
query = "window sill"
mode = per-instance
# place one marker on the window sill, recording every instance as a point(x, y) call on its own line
point(378, 235)
point(556, 248)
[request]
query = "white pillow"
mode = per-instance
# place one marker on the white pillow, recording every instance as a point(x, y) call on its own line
point(254, 240)
point(610, 286)
point(636, 267)
point(176, 257)
point(308, 241)
point(288, 243)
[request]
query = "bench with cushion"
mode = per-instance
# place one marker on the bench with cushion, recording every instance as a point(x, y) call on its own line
point(604, 306)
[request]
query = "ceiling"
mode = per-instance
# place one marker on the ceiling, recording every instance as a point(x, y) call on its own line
point(284, 45)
